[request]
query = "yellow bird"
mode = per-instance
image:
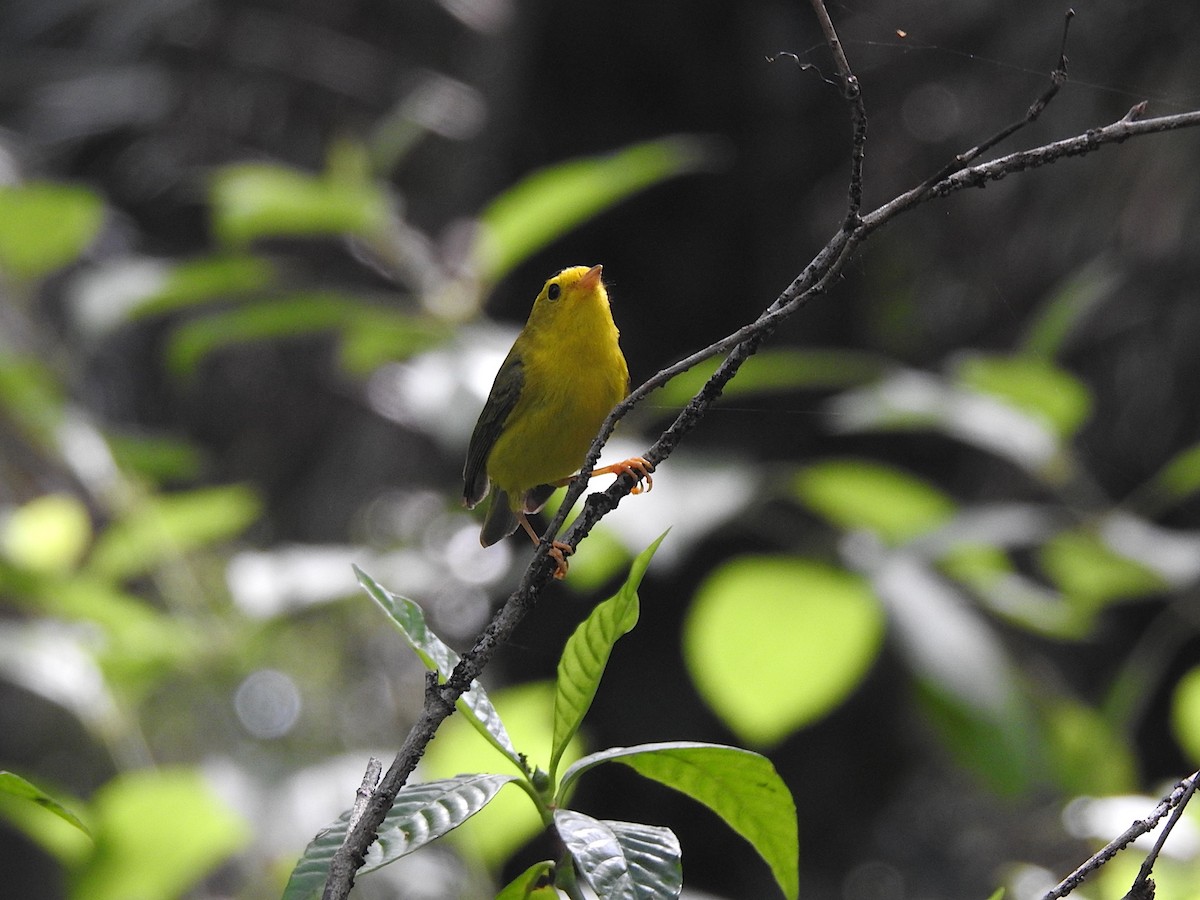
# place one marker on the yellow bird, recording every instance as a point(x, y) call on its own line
point(561, 379)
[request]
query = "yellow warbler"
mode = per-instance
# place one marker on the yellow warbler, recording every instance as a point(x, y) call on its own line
point(561, 379)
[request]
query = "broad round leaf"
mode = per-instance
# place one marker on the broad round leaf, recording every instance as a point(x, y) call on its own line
point(775, 643)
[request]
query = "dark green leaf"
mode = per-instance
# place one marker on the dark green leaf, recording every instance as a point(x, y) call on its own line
point(622, 860)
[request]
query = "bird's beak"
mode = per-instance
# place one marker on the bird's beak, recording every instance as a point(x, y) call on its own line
point(590, 278)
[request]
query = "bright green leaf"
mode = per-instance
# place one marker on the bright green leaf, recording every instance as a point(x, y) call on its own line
point(166, 526)
point(1033, 385)
point(157, 833)
point(553, 200)
point(199, 281)
point(741, 787)
point(1091, 574)
point(1185, 713)
point(535, 883)
point(256, 200)
point(421, 814)
point(622, 860)
point(858, 494)
point(47, 534)
point(16, 786)
point(439, 657)
point(586, 654)
point(807, 629)
point(45, 226)
point(776, 371)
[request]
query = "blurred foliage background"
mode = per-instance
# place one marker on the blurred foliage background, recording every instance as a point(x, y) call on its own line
point(936, 553)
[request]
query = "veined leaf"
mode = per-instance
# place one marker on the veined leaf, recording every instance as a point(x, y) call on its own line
point(622, 860)
point(438, 656)
point(741, 787)
point(421, 814)
point(586, 654)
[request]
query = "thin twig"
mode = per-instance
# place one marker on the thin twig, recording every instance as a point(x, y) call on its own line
point(1173, 800)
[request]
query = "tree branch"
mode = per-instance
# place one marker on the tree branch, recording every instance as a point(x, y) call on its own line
point(739, 346)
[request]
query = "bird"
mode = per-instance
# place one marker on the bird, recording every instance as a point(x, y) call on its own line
point(561, 379)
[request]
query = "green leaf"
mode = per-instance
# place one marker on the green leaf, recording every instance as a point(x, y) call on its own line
point(491, 838)
point(552, 201)
point(48, 534)
point(439, 657)
point(1180, 477)
point(858, 494)
point(1185, 713)
point(776, 371)
point(200, 281)
point(167, 526)
point(808, 630)
point(1091, 574)
point(373, 333)
point(741, 787)
point(421, 814)
point(535, 883)
point(158, 457)
point(32, 396)
point(622, 860)
point(1031, 384)
point(256, 200)
point(1087, 755)
point(157, 833)
point(1052, 325)
point(45, 226)
point(586, 654)
point(16, 786)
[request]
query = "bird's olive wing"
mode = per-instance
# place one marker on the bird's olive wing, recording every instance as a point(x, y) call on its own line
point(506, 390)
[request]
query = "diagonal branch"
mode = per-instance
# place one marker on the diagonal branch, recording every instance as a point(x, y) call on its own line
point(737, 347)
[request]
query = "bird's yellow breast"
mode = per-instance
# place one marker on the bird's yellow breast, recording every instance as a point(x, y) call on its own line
point(574, 374)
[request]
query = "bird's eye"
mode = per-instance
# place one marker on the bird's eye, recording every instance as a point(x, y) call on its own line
point(553, 292)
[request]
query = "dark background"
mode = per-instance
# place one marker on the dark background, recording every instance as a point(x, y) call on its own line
point(143, 100)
